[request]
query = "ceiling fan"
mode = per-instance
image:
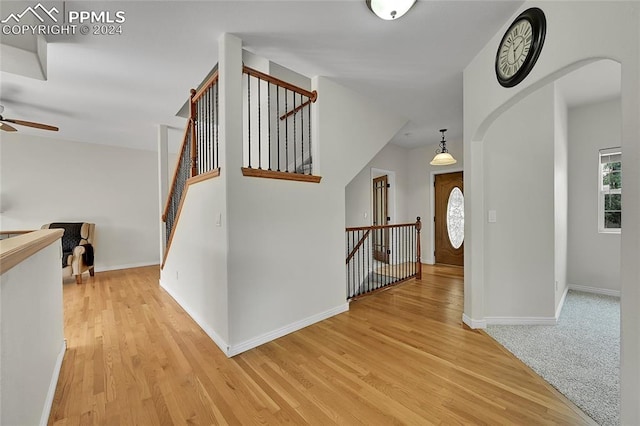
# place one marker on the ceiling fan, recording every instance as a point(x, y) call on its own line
point(9, 128)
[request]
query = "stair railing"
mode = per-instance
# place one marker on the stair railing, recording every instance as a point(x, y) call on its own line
point(198, 158)
point(380, 256)
point(277, 128)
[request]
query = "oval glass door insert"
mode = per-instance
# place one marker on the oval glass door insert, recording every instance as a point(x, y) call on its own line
point(455, 217)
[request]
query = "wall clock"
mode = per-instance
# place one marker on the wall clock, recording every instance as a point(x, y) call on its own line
point(520, 47)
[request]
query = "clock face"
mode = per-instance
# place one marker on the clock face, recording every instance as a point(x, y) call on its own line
point(520, 47)
point(514, 49)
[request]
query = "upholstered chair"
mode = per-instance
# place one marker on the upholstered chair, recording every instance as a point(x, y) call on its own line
point(77, 248)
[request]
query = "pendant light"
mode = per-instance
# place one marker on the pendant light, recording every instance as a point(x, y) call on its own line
point(443, 158)
point(390, 9)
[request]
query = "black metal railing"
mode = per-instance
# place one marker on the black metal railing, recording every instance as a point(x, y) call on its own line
point(379, 256)
point(205, 114)
point(182, 174)
point(277, 123)
point(199, 153)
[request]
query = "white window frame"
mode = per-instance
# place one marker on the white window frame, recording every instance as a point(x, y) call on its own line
point(602, 191)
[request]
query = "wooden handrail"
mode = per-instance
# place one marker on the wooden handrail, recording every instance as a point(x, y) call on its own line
point(206, 86)
point(295, 110)
point(15, 250)
point(266, 77)
point(355, 249)
point(175, 172)
point(364, 228)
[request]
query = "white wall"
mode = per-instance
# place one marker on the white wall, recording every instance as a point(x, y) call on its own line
point(420, 193)
point(577, 33)
point(519, 246)
point(561, 196)
point(594, 257)
point(359, 192)
point(195, 272)
point(32, 341)
point(291, 234)
point(277, 260)
point(50, 180)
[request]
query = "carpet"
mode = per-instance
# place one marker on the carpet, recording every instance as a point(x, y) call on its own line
point(580, 356)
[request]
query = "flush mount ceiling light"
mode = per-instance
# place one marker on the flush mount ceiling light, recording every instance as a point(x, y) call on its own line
point(390, 9)
point(443, 158)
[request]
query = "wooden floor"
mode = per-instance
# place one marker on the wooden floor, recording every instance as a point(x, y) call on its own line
point(399, 356)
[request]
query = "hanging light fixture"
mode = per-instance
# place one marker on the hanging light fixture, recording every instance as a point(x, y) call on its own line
point(443, 158)
point(390, 9)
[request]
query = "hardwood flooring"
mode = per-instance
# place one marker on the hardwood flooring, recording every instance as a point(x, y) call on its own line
point(401, 356)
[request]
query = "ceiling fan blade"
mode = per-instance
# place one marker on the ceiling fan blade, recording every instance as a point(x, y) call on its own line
point(7, 128)
point(32, 124)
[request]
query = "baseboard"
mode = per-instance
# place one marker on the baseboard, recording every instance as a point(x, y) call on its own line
point(596, 290)
point(473, 323)
point(219, 341)
point(561, 304)
point(48, 403)
point(521, 320)
point(126, 266)
point(272, 335)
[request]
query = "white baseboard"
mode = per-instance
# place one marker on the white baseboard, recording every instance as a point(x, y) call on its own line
point(48, 403)
point(272, 335)
point(596, 290)
point(561, 304)
point(521, 320)
point(219, 341)
point(473, 323)
point(232, 350)
point(126, 266)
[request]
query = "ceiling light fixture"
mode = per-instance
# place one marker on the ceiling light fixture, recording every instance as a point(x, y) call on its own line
point(443, 158)
point(390, 9)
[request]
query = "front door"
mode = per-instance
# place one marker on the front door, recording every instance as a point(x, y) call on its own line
point(380, 217)
point(449, 219)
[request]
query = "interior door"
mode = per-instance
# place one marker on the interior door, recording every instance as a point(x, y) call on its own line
point(380, 217)
point(449, 219)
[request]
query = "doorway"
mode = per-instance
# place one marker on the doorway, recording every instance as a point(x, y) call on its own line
point(449, 219)
point(381, 217)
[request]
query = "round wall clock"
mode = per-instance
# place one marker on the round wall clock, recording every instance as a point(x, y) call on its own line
point(520, 47)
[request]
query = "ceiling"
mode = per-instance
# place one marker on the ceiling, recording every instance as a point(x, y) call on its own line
point(116, 89)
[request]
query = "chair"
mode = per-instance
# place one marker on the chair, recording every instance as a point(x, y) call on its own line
point(77, 248)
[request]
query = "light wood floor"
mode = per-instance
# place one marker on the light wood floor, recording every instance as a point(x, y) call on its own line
point(399, 356)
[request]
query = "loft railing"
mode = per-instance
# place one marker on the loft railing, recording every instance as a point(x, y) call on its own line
point(277, 123)
point(379, 256)
point(198, 158)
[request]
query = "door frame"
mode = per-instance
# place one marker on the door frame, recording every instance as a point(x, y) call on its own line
point(391, 194)
point(430, 257)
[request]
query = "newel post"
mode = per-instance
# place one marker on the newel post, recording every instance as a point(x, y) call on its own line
point(192, 120)
point(418, 254)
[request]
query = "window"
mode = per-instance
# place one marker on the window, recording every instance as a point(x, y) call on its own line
point(610, 191)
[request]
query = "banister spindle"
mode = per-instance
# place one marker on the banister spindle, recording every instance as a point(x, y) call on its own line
point(278, 123)
point(295, 139)
point(286, 130)
point(418, 254)
point(249, 114)
point(302, 133)
point(269, 121)
point(259, 126)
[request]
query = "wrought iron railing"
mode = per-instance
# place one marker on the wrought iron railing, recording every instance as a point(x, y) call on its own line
point(199, 152)
point(379, 256)
point(277, 123)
